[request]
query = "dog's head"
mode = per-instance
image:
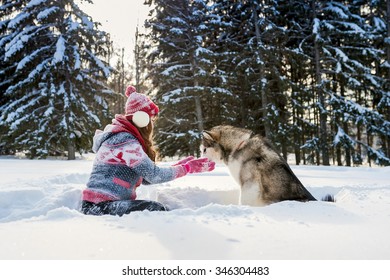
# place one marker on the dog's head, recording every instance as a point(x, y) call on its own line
point(210, 147)
point(220, 141)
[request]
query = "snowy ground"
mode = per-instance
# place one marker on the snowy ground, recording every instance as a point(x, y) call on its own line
point(39, 218)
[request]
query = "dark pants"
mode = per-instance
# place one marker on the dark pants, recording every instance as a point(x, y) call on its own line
point(120, 207)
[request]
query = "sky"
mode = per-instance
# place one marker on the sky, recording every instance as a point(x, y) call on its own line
point(119, 18)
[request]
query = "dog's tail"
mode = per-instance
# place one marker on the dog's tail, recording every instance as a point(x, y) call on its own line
point(329, 198)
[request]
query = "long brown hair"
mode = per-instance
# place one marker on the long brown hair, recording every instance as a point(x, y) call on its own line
point(147, 135)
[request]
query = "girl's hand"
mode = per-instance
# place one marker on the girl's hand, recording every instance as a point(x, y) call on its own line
point(184, 161)
point(199, 165)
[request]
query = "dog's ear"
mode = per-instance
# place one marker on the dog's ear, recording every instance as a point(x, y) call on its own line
point(207, 135)
point(210, 137)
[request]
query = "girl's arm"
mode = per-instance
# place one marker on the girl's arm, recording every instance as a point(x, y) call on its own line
point(138, 160)
point(135, 157)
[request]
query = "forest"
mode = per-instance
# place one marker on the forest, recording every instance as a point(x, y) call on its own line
point(312, 76)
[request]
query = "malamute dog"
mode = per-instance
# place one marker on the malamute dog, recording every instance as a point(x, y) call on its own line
point(264, 176)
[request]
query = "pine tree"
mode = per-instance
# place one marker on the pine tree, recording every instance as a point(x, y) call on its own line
point(181, 72)
point(6, 68)
point(231, 53)
point(351, 56)
point(346, 83)
point(57, 53)
point(258, 44)
point(295, 17)
point(385, 100)
point(379, 22)
point(310, 75)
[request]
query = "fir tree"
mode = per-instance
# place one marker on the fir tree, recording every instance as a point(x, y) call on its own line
point(342, 54)
point(310, 75)
point(181, 72)
point(57, 53)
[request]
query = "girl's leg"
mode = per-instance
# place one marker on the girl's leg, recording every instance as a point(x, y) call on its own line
point(120, 207)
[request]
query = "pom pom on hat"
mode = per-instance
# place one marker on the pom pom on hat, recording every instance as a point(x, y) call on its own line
point(130, 90)
point(137, 102)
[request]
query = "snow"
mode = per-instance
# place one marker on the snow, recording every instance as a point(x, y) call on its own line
point(89, 24)
point(341, 55)
point(35, 3)
point(316, 26)
point(39, 217)
point(17, 20)
point(176, 31)
point(336, 10)
point(48, 111)
point(76, 55)
point(169, 71)
point(16, 45)
point(46, 13)
point(342, 136)
point(379, 24)
point(200, 50)
point(60, 50)
point(354, 27)
point(176, 20)
point(29, 58)
point(106, 70)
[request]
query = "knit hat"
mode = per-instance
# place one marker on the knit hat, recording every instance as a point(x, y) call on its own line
point(140, 107)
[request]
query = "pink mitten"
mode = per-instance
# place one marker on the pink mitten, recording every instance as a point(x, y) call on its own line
point(184, 161)
point(199, 165)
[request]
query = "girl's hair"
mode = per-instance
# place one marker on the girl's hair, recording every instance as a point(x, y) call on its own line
point(147, 135)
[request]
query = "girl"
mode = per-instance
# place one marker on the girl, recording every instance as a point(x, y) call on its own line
point(125, 158)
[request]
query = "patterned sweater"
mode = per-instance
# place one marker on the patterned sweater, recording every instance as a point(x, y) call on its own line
point(121, 165)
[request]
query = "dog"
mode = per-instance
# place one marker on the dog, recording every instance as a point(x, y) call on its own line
point(263, 175)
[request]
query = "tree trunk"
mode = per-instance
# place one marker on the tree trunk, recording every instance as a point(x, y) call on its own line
point(368, 145)
point(137, 61)
point(296, 137)
point(387, 150)
point(199, 114)
point(264, 101)
point(323, 133)
point(345, 127)
point(71, 150)
point(198, 104)
point(338, 156)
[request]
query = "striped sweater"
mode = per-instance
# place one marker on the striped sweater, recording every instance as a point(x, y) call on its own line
point(121, 165)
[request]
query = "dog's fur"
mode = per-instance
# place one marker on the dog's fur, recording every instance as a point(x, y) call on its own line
point(264, 176)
